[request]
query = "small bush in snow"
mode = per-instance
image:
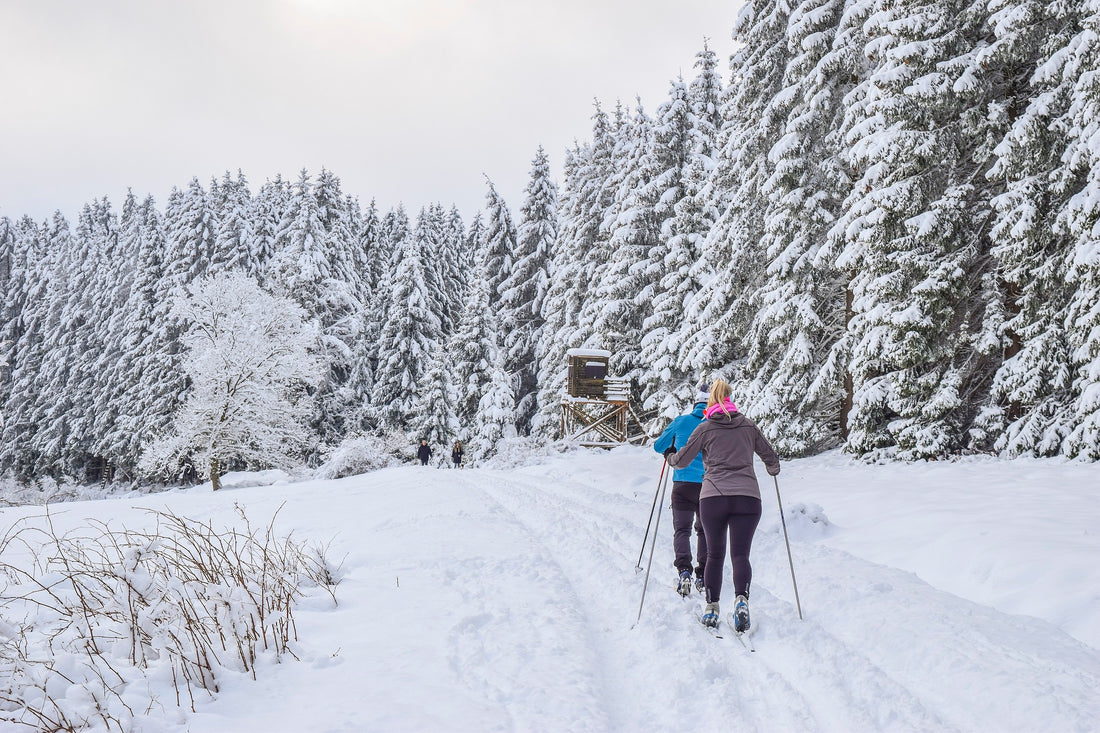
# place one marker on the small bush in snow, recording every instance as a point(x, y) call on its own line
point(519, 452)
point(43, 491)
point(359, 454)
point(807, 521)
point(94, 611)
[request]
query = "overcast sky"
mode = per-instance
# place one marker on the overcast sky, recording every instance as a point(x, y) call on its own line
point(411, 101)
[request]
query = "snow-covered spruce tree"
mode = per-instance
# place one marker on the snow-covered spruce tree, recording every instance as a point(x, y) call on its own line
point(1031, 395)
point(113, 360)
point(442, 243)
point(705, 94)
point(496, 411)
point(499, 243)
point(793, 392)
point(149, 347)
point(7, 242)
point(164, 273)
point(431, 238)
point(432, 415)
point(410, 335)
point(23, 323)
point(460, 260)
point(250, 359)
point(721, 312)
point(472, 348)
point(600, 176)
point(850, 56)
point(560, 311)
point(363, 232)
point(673, 257)
point(191, 226)
point(313, 264)
point(1080, 218)
point(86, 313)
point(393, 230)
point(520, 313)
point(915, 234)
point(49, 409)
point(233, 245)
point(588, 197)
point(268, 209)
point(367, 254)
point(695, 214)
point(7, 253)
point(627, 283)
point(341, 224)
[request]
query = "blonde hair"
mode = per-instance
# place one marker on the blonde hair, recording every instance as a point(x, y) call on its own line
point(719, 393)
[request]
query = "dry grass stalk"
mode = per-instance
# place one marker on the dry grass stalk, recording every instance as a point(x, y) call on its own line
point(183, 595)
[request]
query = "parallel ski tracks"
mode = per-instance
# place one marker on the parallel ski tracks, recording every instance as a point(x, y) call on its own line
point(575, 528)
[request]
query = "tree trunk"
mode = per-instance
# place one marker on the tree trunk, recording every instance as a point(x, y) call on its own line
point(215, 476)
point(849, 387)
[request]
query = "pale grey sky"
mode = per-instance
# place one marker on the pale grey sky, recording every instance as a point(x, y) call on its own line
point(405, 100)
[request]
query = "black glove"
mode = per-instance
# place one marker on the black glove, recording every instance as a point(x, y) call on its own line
point(671, 450)
point(773, 471)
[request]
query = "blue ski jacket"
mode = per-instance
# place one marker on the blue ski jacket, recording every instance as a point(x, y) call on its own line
point(677, 433)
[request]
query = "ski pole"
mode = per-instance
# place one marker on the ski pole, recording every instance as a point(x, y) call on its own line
point(652, 545)
point(638, 565)
point(787, 540)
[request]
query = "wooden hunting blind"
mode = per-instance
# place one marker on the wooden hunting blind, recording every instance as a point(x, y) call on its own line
point(596, 408)
point(587, 372)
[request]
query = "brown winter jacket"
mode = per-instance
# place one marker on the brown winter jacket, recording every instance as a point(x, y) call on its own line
point(727, 442)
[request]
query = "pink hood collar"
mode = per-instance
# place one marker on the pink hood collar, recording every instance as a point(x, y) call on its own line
point(727, 407)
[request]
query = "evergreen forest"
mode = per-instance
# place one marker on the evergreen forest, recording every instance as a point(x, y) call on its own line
point(879, 220)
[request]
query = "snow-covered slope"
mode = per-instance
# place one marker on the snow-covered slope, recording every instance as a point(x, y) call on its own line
point(506, 599)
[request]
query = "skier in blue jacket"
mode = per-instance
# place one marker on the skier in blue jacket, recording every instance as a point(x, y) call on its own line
point(686, 484)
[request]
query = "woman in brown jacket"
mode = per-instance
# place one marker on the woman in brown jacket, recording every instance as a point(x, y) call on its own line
point(729, 501)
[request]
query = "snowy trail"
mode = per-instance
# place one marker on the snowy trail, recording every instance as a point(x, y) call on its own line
point(915, 673)
point(505, 600)
point(488, 600)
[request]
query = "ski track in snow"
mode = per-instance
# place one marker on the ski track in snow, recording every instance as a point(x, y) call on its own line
point(755, 693)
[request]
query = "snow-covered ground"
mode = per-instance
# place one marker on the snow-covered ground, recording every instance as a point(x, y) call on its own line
point(946, 596)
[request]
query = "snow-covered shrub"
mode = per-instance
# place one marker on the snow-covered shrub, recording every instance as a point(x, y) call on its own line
point(518, 452)
point(46, 490)
point(807, 522)
point(91, 612)
point(359, 454)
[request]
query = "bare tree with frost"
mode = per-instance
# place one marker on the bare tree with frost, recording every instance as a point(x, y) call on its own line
point(251, 362)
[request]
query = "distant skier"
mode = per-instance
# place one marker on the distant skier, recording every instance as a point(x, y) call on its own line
point(457, 453)
point(730, 497)
point(424, 452)
point(686, 483)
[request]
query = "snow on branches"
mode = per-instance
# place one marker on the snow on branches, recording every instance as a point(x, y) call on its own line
point(250, 364)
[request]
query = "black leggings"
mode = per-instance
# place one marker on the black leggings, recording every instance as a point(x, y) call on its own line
point(738, 515)
point(685, 513)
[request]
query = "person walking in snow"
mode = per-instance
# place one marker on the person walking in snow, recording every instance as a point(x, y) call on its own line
point(457, 453)
point(729, 501)
point(424, 452)
point(686, 484)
